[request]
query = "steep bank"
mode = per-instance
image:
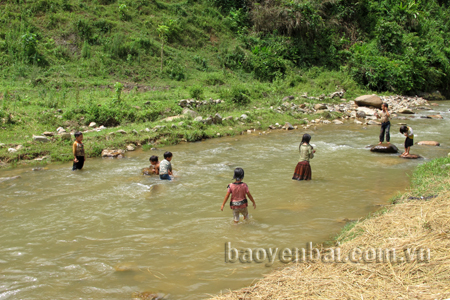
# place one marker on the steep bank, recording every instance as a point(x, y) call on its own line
point(419, 220)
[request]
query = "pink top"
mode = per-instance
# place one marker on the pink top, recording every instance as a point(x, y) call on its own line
point(238, 193)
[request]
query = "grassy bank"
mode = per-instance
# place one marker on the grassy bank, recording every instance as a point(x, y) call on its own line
point(413, 223)
point(32, 111)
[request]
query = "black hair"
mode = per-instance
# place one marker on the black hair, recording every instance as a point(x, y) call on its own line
point(167, 154)
point(385, 104)
point(403, 129)
point(238, 174)
point(305, 139)
point(78, 133)
point(153, 158)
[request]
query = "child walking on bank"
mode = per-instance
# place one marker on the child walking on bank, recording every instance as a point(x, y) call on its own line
point(165, 167)
point(78, 152)
point(303, 169)
point(239, 191)
point(409, 141)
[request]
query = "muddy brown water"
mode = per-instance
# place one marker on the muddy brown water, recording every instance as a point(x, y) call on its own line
point(63, 234)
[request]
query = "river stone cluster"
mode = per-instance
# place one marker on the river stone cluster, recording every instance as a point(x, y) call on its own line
point(195, 103)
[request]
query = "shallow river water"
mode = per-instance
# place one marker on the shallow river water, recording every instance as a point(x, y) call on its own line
point(63, 234)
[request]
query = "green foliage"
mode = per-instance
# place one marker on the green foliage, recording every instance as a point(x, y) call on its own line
point(196, 92)
point(240, 95)
point(86, 50)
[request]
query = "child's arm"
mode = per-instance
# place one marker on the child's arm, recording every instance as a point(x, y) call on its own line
point(225, 200)
point(157, 169)
point(74, 148)
point(251, 199)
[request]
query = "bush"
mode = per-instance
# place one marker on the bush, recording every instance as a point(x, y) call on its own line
point(196, 92)
point(240, 95)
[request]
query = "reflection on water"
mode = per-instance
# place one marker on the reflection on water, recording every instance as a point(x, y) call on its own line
point(107, 231)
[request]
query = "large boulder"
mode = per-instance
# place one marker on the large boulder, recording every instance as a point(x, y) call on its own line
point(429, 143)
point(369, 100)
point(384, 148)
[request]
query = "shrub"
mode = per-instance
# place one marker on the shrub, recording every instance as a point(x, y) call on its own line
point(240, 95)
point(196, 92)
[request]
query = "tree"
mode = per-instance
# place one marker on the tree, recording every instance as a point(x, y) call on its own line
point(163, 31)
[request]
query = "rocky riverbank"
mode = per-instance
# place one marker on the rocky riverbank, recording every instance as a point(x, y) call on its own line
point(295, 112)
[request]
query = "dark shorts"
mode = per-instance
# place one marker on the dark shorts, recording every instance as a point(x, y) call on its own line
point(165, 177)
point(408, 142)
point(78, 165)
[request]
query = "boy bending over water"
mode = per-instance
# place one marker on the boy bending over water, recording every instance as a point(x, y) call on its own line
point(409, 141)
point(239, 191)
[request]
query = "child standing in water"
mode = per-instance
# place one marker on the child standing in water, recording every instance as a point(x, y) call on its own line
point(78, 152)
point(409, 141)
point(303, 169)
point(165, 167)
point(385, 123)
point(239, 191)
point(154, 161)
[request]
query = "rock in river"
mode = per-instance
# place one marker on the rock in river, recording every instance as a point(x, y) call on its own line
point(113, 153)
point(406, 111)
point(411, 156)
point(131, 147)
point(384, 148)
point(437, 117)
point(288, 126)
point(429, 143)
point(369, 100)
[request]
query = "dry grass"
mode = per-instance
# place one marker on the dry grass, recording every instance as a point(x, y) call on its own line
point(409, 224)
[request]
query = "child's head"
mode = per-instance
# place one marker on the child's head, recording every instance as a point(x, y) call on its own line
point(168, 156)
point(306, 138)
point(384, 105)
point(403, 129)
point(238, 174)
point(78, 136)
point(153, 159)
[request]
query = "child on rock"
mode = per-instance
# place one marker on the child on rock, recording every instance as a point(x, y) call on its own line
point(409, 141)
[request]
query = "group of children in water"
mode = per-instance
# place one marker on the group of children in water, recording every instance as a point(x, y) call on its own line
point(239, 190)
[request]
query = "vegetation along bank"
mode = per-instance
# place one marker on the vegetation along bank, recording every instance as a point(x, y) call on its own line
point(126, 65)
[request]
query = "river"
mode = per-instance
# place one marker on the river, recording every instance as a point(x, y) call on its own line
point(63, 234)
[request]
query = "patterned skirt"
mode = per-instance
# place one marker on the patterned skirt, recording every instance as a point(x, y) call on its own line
point(302, 171)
